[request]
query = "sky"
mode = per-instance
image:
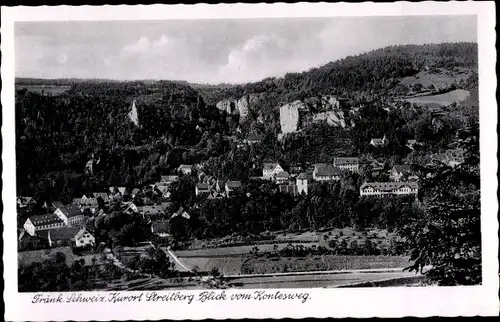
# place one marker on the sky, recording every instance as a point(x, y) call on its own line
point(217, 50)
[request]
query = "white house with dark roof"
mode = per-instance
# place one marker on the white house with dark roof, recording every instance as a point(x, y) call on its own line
point(70, 214)
point(347, 163)
point(270, 170)
point(388, 188)
point(44, 222)
point(326, 173)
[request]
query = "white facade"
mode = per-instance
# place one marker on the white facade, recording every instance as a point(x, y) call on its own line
point(387, 188)
point(84, 238)
point(270, 170)
point(302, 186)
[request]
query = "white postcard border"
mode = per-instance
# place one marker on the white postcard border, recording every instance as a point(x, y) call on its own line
point(380, 302)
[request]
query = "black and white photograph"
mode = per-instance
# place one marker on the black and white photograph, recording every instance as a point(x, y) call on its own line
point(247, 154)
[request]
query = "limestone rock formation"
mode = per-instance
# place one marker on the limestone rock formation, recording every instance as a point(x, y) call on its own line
point(133, 115)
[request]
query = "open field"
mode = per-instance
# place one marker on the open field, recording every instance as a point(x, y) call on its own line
point(440, 78)
point(321, 263)
point(54, 90)
point(445, 99)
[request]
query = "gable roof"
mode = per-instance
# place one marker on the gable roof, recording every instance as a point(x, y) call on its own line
point(283, 175)
point(47, 219)
point(202, 186)
point(102, 195)
point(70, 210)
point(154, 209)
point(389, 186)
point(81, 232)
point(270, 166)
point(302, 176)
point(185, 167)
point(328, 170)
point(400, 168)
point(57, 204)
point(345, 160)
point(135, 191)
point(87, 202)
point(181, 212)
point(25, 200)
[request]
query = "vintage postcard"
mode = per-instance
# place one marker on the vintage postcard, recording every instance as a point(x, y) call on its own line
point(249, 161)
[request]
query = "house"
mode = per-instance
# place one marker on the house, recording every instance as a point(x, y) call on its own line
point(398, 171)
point(129, 208)
point(185, 169)
point(122, 190)
point(379, 142)
point(104, 196)
point(83, 238)
point(78, 237)
point(182, 213)
point(282, 177)
point(201, 188)
point(270, 170)
point(388, 188)
point(347, 163)
point(232, 186)
point(86, 203)
point(160, 228)
point(70, 214)
point(25, 201)
point(302, 183)
point(253, 138)
point(153, 211)
point(326, 173)
point(36, 223)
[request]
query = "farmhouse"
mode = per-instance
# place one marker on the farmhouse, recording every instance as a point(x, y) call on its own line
point(185, 169)
point(270, 170)
point(388, 188)
point(70, 214)
point(326, 173)
point(347, 163)
point(201, 188)
point(44, 222)
point(84, 238)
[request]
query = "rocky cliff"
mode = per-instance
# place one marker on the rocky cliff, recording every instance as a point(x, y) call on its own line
point(238, 106)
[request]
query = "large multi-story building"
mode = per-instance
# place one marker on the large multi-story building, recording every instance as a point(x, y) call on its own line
point(347, 163)
point(270, 170)
point(388, 188)
point(326, 172)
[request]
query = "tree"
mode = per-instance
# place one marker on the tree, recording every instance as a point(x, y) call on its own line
point(447, 234)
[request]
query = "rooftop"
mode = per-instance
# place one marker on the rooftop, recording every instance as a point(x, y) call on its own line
point(202, 186)
point(233, 184)
point(328, 170)
point(345, 160)
point(64, 233)
point(270, 166)
point(389, 186)
point(70, 210)
point(402, 168)
point(47, 219)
